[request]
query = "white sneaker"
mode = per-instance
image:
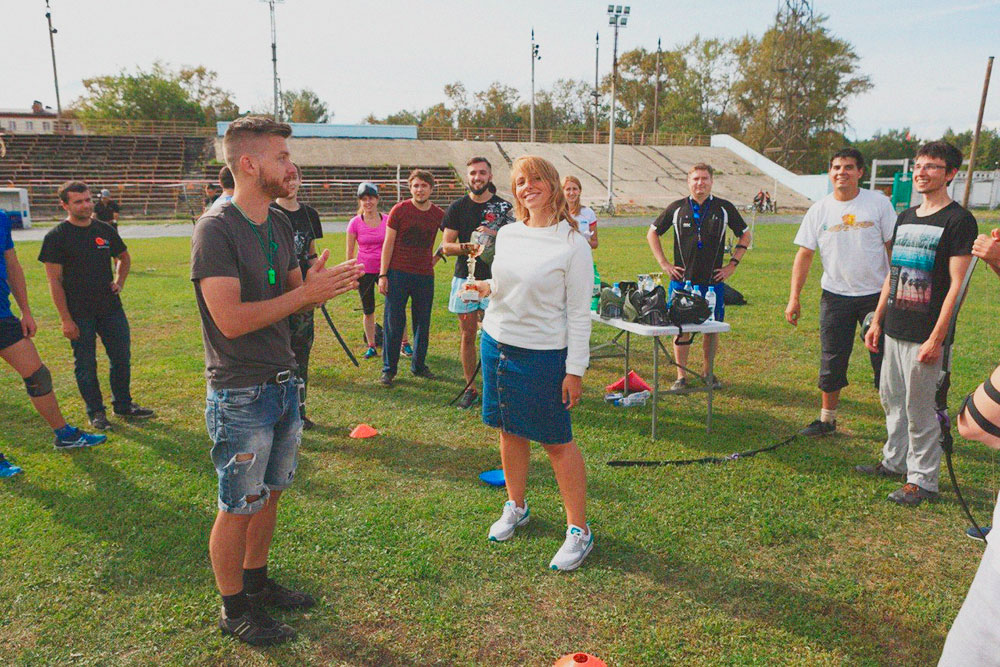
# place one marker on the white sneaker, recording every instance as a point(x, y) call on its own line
point(512, 517)
point(574, 549)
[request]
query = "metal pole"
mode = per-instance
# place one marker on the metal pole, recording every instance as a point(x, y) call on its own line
point(532, 84)
point(597, 95)
point(52, 46)
point(656, 93)
point(611, 123)
point(274, 61)
point(975, 136)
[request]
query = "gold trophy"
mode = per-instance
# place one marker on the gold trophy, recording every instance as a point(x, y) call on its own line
point(471, 294)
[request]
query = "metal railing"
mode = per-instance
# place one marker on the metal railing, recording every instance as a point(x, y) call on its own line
point(183, 128)
point(622, 136)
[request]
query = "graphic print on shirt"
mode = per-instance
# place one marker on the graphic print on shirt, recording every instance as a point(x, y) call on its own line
point(913, 256)
point(849, 222)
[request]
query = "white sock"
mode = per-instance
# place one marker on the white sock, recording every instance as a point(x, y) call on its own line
point(828, 416)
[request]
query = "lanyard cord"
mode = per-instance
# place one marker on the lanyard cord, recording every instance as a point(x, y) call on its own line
point(271, 246)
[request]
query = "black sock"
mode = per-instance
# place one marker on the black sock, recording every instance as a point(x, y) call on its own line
point(236, 605)
point(254, 579)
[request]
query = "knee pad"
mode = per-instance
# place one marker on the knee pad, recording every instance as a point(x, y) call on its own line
point(39, 383)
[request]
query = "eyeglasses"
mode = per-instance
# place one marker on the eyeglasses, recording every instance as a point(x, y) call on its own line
point(928, 167)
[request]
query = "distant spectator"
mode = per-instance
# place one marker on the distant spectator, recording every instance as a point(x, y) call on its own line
point(106, 209)
point(227, 184)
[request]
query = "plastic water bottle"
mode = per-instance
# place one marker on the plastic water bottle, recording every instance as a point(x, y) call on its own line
point(688, 287)
point(710, 297)
point(617, 290)
point(595, 296)
point(638, 398)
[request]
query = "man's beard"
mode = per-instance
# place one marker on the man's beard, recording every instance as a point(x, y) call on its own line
point(273, 188)
point(488, 186)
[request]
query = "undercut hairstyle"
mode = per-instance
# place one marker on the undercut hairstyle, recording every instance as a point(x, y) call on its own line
point(702, 166)
point(533, 166)
point(942, 150)
point(226, 178)
point(422, 174)
point(852, 153)
point(474, 160)
point(71, 186)
point(244, 131)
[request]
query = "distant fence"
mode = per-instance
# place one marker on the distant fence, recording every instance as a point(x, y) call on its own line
point(632, 137)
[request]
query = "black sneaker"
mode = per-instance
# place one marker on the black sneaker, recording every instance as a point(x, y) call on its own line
point(818, 428)
point(133, 411)
point(878, 470)
point(386, 379)
point(275, 595)
point(424, 373)
point(468, 398)
point(256, 628)
point(99, 420)
point(307, 424)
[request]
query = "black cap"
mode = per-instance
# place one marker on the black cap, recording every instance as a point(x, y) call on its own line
point(367, 188)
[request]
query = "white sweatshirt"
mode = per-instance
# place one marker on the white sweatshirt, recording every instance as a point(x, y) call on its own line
point(542, 284)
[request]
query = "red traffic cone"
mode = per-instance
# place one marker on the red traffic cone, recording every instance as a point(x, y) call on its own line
point(580, 660)
point(635, 383)
point(363, 431)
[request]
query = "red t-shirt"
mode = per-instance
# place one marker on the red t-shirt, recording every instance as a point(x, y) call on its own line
point(415, 232)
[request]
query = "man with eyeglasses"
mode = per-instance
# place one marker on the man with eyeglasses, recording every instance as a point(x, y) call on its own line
point(699, 222)
point(852, 228)
point(931, 251)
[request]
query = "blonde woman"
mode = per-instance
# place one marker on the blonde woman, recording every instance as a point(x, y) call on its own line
point(536, 347)
point(585, 217)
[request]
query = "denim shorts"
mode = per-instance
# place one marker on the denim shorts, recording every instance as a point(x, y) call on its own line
point(522, 392)
point(455, 303)
point(10, 332)
point(263, 421)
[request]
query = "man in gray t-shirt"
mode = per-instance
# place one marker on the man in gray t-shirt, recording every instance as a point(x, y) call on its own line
point(247, 282)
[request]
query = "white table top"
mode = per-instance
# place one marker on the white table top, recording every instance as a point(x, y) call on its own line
point(647, 330)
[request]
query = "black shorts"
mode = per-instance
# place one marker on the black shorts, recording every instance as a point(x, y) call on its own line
point(10, 332)
point(367, 284)
point(839, 317)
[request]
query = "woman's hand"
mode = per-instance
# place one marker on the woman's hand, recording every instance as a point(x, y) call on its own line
point(481, 286)
point(383, 285)
point(572, 388)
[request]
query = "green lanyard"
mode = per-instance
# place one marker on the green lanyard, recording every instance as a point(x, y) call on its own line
point(268, 250)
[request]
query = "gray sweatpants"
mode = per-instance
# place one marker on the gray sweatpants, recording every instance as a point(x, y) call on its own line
point(907, 390)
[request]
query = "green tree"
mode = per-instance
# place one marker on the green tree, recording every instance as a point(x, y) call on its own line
point(305, 106)
point(987, 152)
point(497, 107)
point(201, 85)
point(891, 145)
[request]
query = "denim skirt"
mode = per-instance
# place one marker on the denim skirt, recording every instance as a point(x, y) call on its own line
point(522, 392)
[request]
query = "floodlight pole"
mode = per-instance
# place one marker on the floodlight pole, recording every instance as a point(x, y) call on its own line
point(597, 94)
point(52, 46)
point(274, 59)
point(616, 18)
point(975, 135)
point(656, 93)
point(534, 57)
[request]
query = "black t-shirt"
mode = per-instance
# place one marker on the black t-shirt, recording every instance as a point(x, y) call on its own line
point(225, 245)
point(85, 255)
point(918, 273)
point(465, 216)
point(105, 209)
point(306, 229)
point(709, 226)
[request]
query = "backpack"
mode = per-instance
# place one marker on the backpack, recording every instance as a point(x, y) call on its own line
point(688, 308)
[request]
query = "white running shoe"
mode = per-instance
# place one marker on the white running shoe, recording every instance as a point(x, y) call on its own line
point(512, 517)
point(574, 549)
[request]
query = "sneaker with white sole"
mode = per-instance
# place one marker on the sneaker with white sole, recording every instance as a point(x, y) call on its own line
point(576, 547)
point(512, 517)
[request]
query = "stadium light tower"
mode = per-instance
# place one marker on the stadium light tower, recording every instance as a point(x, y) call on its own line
point(596, 93)
point(534, 57)
point(617, 17)
point(52, 45)
point(274, 59)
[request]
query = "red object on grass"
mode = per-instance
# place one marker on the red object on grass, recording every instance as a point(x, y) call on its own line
point(635, 383)
point(363, 431)
point(579, 660)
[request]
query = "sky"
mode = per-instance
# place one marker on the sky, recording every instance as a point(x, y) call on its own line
point(926, 59)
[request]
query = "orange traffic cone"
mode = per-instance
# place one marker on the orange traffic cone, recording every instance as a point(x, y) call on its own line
point(580, 660)
point(363, 431)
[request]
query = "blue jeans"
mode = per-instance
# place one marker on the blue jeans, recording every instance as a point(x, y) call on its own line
point(420, 289)
point(255, 433)
point(116, 337)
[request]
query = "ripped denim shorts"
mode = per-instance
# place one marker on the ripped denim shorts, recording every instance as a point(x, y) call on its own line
point(256, 433)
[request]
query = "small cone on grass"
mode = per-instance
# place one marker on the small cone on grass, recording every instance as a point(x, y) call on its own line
point(579, 660)
point(363, 431)
point(635, 383)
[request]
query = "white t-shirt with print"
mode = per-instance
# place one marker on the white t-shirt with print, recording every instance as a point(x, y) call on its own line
point(851, 237)
point(587, 221)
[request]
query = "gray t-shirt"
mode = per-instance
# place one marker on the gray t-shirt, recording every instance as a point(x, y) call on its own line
point(224, 244)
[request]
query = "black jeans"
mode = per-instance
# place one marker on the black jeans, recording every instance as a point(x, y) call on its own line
point(839, 317)
point(115, 335)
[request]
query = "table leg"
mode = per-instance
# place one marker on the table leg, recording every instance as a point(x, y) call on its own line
point(711, 390)
point(656, 380)
point(628, 345)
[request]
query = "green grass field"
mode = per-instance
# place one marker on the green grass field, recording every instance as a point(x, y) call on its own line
point(786, 558)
